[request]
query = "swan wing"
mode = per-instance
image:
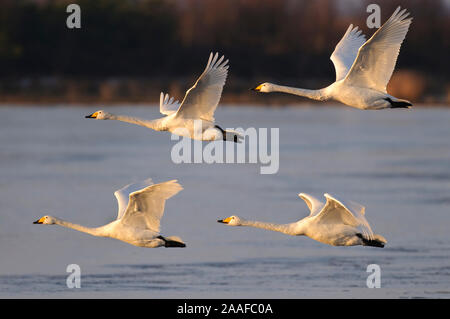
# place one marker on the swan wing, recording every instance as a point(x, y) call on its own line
point(335, 212)
point(146, 206)
point(356, 208)
point(167, 105)
point(313, 203)
point(346, 51)
point(122, 195)
point(202, 99)
point(376, 58)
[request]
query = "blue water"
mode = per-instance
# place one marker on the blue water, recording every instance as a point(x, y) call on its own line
point(394, 162)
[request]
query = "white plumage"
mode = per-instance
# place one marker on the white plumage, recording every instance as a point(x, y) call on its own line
point(331, 223)
point(194, 117)
point(140, 209)
point(363, 68)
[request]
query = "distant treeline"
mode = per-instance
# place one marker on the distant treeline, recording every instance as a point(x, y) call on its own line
point(130, 49)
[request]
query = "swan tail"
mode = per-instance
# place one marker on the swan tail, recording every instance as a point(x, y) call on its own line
point(172, 241)
point(376, 241)
point(229, 135)
point(398, 103)
point(233, 136)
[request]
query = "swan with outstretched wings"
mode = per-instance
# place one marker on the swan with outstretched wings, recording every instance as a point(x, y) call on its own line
point(194, 116)
point(332, 223)
point(363, 68)
point(140, 209)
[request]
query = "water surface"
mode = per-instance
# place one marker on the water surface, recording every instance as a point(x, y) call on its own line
point(395, 162)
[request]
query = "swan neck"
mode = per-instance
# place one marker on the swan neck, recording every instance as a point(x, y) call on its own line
point(319, 95)
point(88, 230)
point(152, 124)
point(282, 228)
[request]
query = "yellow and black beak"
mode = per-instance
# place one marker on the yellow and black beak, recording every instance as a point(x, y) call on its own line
point(92, 116)
point(224, 221)
point(39, 221)
point(257, 89)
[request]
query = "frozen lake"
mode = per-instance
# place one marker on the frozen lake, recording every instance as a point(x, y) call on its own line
point(395, 162)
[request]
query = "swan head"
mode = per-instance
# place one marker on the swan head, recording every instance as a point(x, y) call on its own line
point(264, 88)
point(46, 220)
point(231, 221)
point(99, 115)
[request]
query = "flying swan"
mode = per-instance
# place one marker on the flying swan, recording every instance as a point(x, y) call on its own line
point(363, 68)
point(141, 207)
point(194, 117)
point(331, 223)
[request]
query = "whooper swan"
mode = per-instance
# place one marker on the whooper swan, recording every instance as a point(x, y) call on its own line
point(363, 68)
point(331, 223)
point(194, 118)
point(141, 207)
